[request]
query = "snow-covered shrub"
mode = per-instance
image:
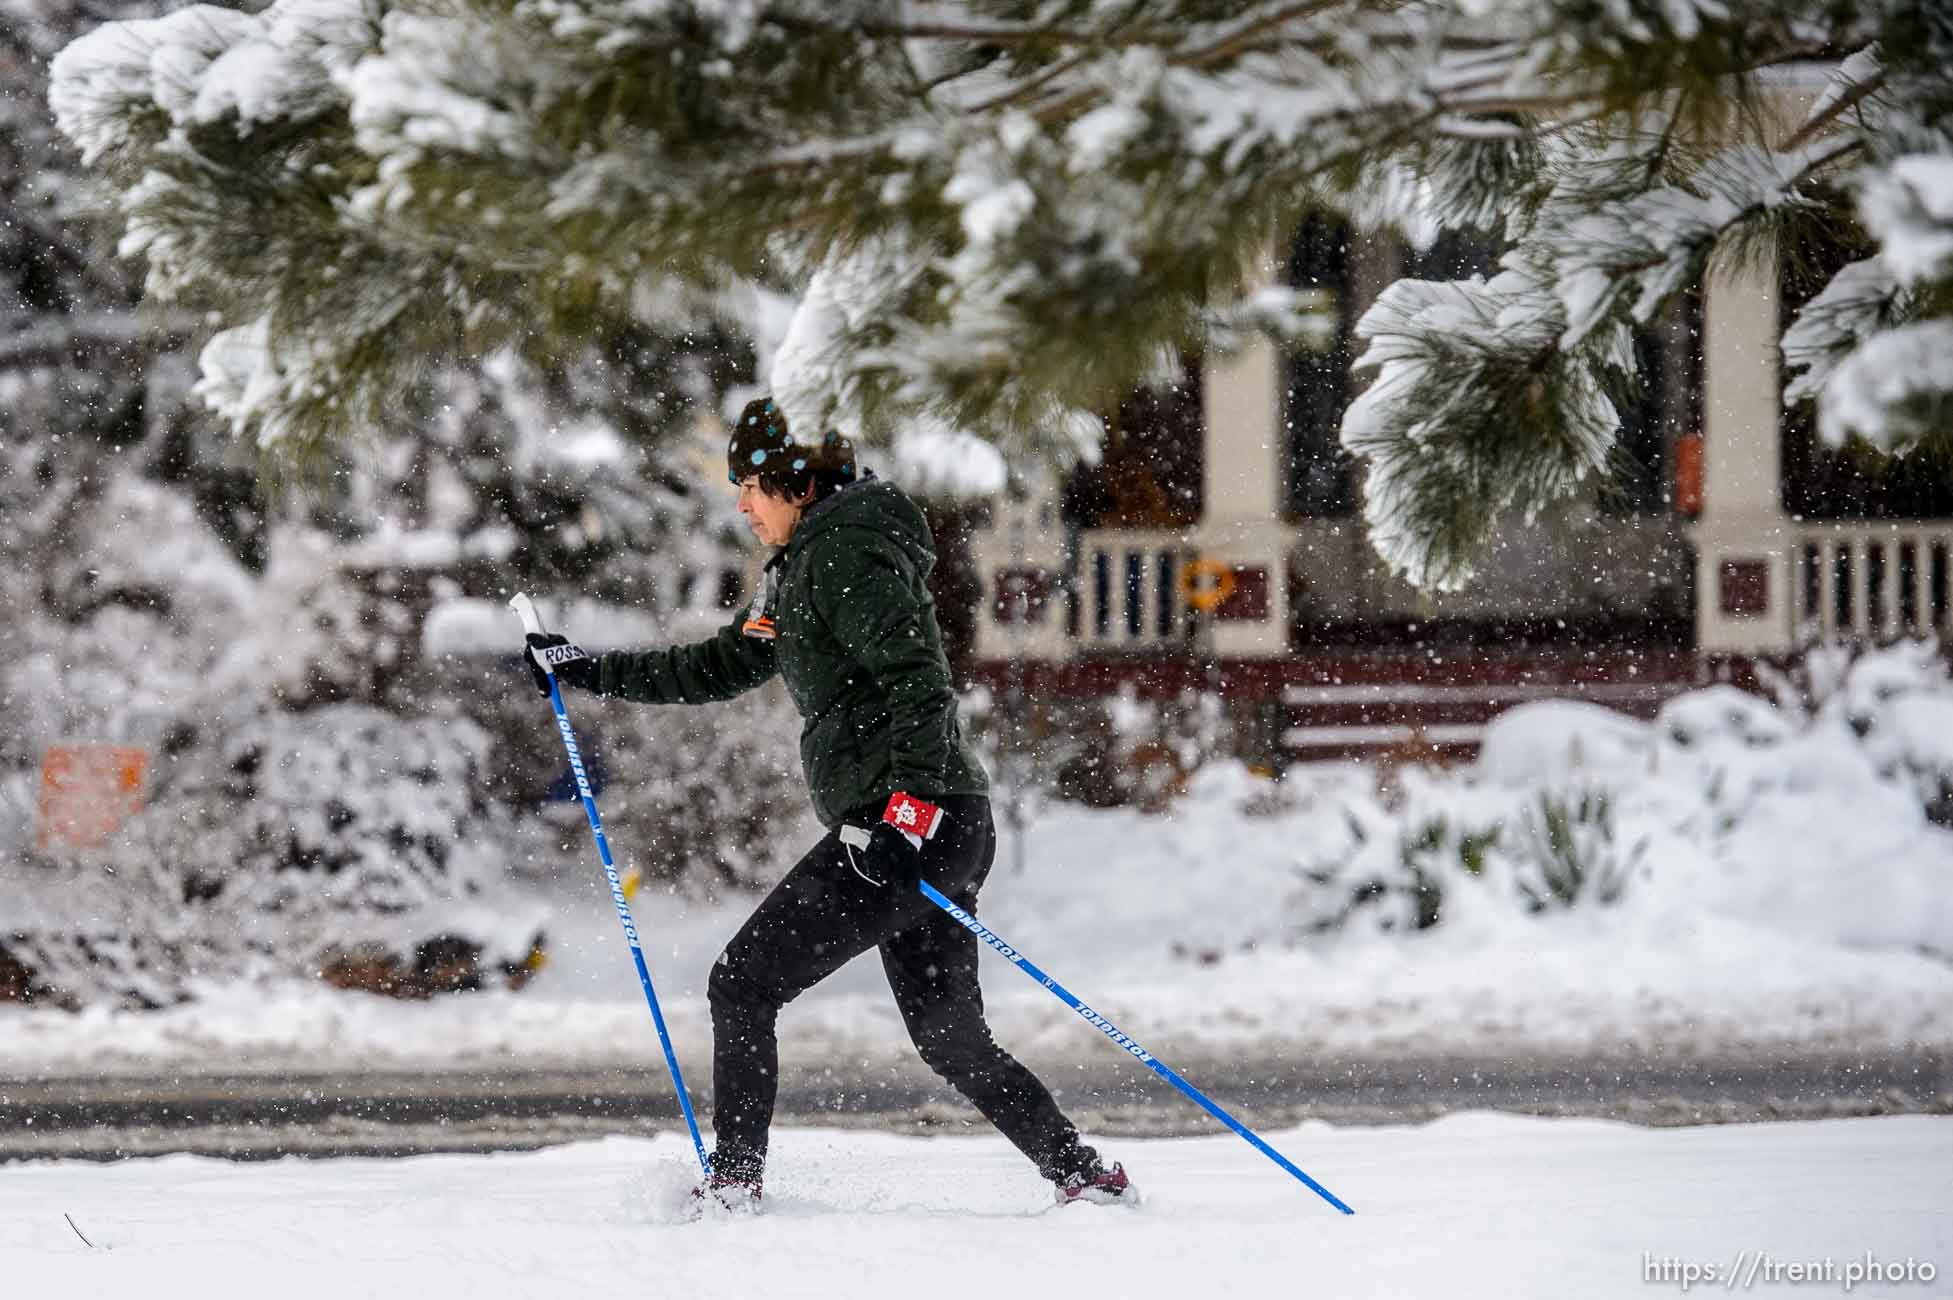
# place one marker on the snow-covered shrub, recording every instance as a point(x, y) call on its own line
point(1718, 714)
point(1406, 866)
point(711, 795)
point(702, 798)
point(1004, 730)
point(392, 810)
point(1895, 699)
point(1801, 687)
point(1141, 752)
point(1388, 883)
point(137, 601)
point(1037, 747)
point(1553, 741)
point(1813, 817)
point(1403, 864)
point(1899, 703)
point(107, 958)
point(340, 841)
point(1564, 851)
point(1394, 862)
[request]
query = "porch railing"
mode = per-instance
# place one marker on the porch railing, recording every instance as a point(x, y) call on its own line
point(1128, 590)
point(1872, 581)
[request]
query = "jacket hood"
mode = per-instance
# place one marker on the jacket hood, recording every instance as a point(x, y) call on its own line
point(877, 506)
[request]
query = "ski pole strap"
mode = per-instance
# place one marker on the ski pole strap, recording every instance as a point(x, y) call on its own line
point(1125, 1043)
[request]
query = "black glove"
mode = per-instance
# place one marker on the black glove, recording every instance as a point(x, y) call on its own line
point(573, 667)
point(895, 836)
point(888, 859)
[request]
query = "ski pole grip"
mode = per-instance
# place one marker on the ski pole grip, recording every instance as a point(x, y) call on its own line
point(525, 609)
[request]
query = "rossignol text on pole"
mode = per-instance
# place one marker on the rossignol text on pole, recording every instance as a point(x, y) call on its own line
point(1131, 1048)
point(532, 622)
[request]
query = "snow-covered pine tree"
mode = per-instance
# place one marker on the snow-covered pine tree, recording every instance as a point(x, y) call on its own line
point(564, 472)
point(1005, 211)
point(161, 593)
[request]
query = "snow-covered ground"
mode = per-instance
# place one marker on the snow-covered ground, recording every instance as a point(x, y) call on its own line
point(1471, 1205)
point(1779, 889)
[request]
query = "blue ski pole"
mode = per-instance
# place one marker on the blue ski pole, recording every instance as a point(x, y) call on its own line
point(532, 622)
point(1133, 1049)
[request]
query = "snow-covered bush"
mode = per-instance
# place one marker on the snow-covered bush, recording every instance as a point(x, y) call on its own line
point(1375, 877)
point(1387, 863)
point(1725, 715)
point(321, 804)
point(1897, 700)
point(1564, 851)
point(1899, 703)
point(341, 842)
point(704, 799)
point(699, 798)
point(1142, 751)
point(1811, 816)
point(1025, 742)
point(292, 824)
point(1401, 869)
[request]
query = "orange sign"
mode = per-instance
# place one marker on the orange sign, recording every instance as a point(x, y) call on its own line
point(1688, 475)
point(87, 792)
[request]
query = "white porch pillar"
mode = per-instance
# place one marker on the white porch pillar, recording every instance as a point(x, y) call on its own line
point(1744, 541)
point(1241, 523)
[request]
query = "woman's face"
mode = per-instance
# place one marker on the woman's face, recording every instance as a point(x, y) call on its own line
point(772, 518)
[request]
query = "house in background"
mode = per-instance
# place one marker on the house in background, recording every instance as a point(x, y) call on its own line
point(1219, 542)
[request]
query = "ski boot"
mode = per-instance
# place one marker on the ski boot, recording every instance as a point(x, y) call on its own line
point(722, 1194)
point(1098, 1185)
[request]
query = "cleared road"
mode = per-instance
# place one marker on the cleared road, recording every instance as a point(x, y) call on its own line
point(266, 1117)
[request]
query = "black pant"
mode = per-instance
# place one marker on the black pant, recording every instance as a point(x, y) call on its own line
point(819, 917)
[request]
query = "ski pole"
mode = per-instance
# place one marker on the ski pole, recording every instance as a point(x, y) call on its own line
point(532, 622)
point(1133, 1049)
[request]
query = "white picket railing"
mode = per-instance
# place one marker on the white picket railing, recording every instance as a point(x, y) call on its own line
point(1128, 587)
point(1872, 581)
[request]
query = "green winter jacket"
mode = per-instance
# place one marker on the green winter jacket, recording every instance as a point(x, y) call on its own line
point(860, 651)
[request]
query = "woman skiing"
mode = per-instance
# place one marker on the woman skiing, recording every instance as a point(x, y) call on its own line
point(846, 619)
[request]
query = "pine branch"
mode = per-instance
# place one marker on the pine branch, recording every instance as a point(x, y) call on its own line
point(1598, 256)
point(1462, 426)
point(1238, 39)
point(1845, 103)
point(1030, 87)
point(1231, 36)
point(1000, 34)
point(1244, 32)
